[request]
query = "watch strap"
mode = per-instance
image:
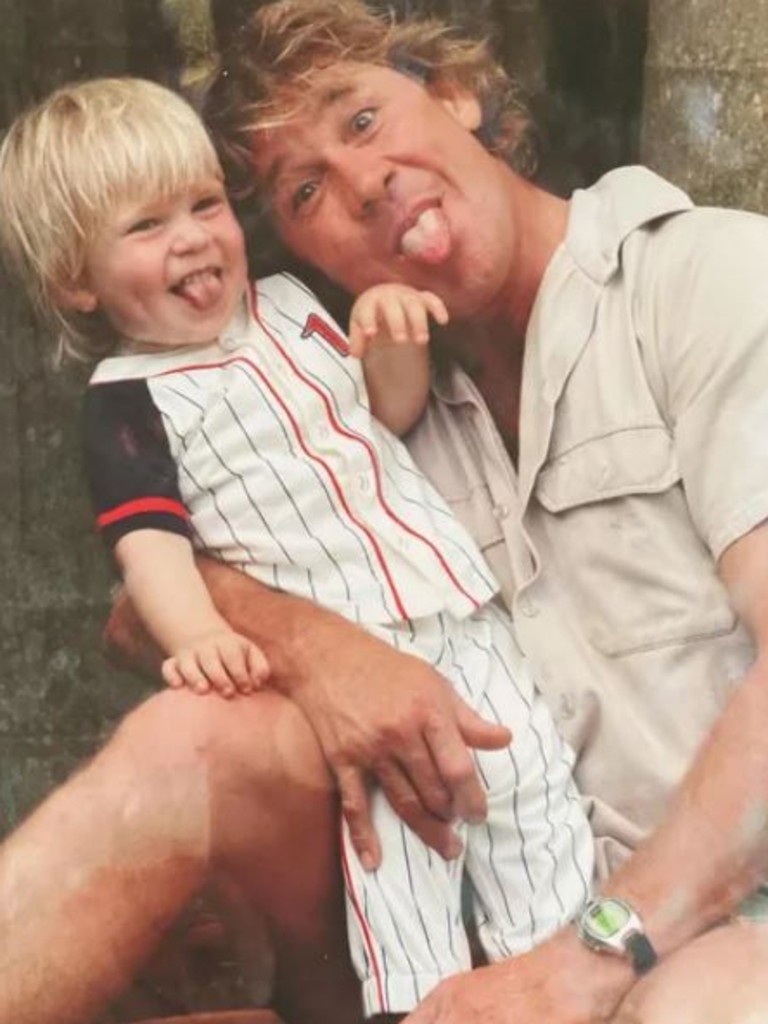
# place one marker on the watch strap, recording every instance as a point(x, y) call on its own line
point(641, 952)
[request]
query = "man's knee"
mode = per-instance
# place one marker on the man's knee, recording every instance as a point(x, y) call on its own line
point(262, 737)
point(720, 978)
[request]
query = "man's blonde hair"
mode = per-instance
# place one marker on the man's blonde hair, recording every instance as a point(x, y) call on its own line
point(66, 162)
point(266, 74)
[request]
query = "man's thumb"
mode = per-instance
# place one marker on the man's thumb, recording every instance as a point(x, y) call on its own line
point(479, 733)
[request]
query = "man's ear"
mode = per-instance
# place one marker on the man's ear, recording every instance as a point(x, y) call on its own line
point(460, 102)
point(79, 298)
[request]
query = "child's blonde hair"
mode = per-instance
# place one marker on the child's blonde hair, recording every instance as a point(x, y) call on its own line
point(66, 162)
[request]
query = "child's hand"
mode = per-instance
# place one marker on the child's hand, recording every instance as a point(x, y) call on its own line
point(393, 314)
point(223, 661)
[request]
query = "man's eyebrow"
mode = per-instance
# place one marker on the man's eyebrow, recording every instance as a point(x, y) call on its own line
point(332, 95)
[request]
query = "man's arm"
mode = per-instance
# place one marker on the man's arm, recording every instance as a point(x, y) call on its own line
point(709, 853)
point(374, 710)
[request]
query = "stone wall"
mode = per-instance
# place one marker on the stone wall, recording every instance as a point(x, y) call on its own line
point(705, 122)
point(56, 696)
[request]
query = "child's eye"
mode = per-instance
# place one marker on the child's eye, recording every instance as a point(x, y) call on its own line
point(140, 226)
point(211, 202)
point(363, 120)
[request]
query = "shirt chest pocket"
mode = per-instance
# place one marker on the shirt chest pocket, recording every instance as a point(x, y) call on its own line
point(617, 530)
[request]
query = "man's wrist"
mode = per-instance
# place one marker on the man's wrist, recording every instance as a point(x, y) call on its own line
point(603, 981)
point(612, 926)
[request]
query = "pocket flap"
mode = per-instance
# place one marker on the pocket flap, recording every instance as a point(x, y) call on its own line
point(637, 460)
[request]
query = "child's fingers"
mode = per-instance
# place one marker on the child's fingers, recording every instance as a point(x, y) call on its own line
point(245, 663)
point(215, 671)
point(190, 672)
point(258, 666)
point(418, 323)
point(171, 675)
point(358, 342)
point(232, 652)
point(393, 318)
point(435, 307)
point(363, 324)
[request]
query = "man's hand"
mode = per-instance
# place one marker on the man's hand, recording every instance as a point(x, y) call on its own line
point(377, 713)
point(559, 982)
point(390, 716)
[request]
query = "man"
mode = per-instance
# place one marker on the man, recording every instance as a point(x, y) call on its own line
point(623, 480)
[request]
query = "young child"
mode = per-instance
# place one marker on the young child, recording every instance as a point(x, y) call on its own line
point(230, 418)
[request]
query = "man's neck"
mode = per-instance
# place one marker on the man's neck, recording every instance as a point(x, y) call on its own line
point(492, 352)
point(541, 223)
point(492, 355)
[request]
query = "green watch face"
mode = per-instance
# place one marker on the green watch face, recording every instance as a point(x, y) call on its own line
point(606, 918)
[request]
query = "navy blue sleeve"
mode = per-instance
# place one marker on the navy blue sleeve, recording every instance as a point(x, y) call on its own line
point(132, 476)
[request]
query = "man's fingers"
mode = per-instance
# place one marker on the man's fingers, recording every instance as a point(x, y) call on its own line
point(457, 770)
point(434, 831)
point(479, 733)
point(356, 808)
point(425, 782)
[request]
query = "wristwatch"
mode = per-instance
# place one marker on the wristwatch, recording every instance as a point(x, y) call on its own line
point(610, 925)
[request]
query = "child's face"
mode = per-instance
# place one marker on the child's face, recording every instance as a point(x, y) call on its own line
point(168, 271)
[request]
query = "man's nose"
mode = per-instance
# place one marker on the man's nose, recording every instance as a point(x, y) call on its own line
point(365, 180)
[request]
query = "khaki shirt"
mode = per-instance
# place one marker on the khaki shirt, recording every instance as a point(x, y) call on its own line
point(643, 454)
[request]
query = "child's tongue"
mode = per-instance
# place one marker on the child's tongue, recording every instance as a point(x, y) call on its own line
point(201, 290)
point(429, 240)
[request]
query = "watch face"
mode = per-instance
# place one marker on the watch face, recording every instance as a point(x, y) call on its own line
point(606, 918)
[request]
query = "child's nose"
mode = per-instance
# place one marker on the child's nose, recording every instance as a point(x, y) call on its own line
point(190, 234)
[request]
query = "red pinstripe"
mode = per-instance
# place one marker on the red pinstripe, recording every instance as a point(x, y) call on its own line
point(344, 432)
point(364, 928)
point(372, 455)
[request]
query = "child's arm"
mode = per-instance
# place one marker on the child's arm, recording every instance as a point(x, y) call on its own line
point(389, 331)
point(164, 583)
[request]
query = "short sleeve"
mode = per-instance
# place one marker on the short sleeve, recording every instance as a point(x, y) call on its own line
point(709, 318)
point(132, 476)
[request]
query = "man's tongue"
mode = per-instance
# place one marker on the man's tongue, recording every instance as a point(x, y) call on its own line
point(429, 240)
point(201, 290)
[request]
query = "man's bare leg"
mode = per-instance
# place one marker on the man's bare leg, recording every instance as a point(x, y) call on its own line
point(719, 978)
point(284, 861)
point(91, 881)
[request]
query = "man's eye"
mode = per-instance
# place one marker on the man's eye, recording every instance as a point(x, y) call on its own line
point(140, 226)
point(303, 194)
point(363, 120)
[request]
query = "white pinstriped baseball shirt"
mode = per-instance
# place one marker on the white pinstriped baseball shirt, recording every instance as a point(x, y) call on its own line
point(261, 447)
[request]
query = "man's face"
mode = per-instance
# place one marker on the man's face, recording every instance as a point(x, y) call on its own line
point(380, 180)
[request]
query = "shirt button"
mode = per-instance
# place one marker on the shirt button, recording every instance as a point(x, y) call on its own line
point(528, 608)
point(501, 511)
